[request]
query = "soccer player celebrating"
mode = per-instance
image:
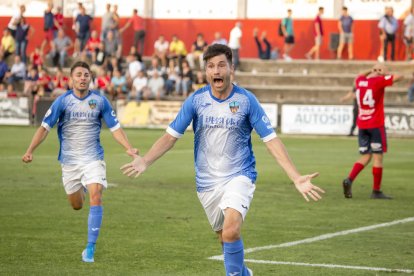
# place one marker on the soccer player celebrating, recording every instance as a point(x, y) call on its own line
point(370, 88)
point(78, 114)
point(223, 117)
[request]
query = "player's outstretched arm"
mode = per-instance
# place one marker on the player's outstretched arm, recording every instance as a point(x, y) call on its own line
point(121, 137)
point(38, 138)
point(302, 182)
point(158, 149)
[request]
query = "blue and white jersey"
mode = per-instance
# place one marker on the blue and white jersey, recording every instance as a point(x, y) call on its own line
point(79, 126)
point(222, 134)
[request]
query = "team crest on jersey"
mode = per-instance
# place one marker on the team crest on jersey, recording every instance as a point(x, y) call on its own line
point(92, 104)
point(234, 106)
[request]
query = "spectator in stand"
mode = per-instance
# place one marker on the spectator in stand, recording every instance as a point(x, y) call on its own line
point(17, 73)
point(36, 58)
point(318, 33)
point(92, 46)
point(30, 82)
point(161, 50)
point(262, 53)
point(155, 89)
point(83, 29)
point(45, 83)
point(15, 20)
point(409, 35)
point(197, 49)
point(102, 81)
point(60, 46)
point(155, 67)
point(8, 45)
point(288, 34)
point(177, 49)
point(388, 27)
point(218, 39)
point(75, 14)
point(200, 81)
point(138, 25)
point(60, 83)
point(133, 51)
point(115, 29)
point(173, 75)
point(48, 27)
point(134, 67)
point(58, 20)
point(99, 59)
point(3, 69)
point(107, 22)
point(185, 80)
point(111, 45)
point(411, 90)
point(235, 43)
point(138, 86)
point(113, 64)
point(345, 26)
point(118, 88)
point(22, 38)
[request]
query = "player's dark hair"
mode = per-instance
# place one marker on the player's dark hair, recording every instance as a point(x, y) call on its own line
point(79, 64)
point(216, 50)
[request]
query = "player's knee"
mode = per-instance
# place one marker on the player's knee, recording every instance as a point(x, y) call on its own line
point(95, 199)
point(231, 233)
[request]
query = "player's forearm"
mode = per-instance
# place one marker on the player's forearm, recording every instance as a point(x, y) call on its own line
point(160, 147)
point(279, 152)
point(120, 136)
point(38, 138)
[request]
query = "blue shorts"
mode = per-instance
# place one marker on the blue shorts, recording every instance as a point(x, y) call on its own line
point(372, 140)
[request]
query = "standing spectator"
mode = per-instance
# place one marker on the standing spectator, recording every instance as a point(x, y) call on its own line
point(197, 49)
point(8, 45)
point(15, 20)
point(48, 27)
point(262, 53)
point(185, 80)
point(75, 14)
point(118, 88)
point(107, 22)
point(388, 27)
point(345, 26)
point(59, 21)
point(138, 25)
point(138, 86)
point(155, 87)
point(372, 139)
point(235, 43)
point(177, 49)
point(161, 50)
point(60, 46)
point(17, 73)
point(409, 35)
point(22, 38)
point(218, 39)
point(318, 33)
point(288, 34)
point(83, 29)
point(36, 58)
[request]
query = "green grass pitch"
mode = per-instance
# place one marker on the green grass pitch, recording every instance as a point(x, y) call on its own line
point(154, 225)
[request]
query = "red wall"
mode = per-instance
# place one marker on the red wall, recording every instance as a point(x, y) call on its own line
point(366, 38)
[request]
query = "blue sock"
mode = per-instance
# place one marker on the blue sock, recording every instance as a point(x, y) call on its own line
point(94, 223)
point(234, 258)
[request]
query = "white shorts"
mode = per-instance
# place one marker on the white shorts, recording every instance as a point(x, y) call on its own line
point(236, 194)
point(75, 177)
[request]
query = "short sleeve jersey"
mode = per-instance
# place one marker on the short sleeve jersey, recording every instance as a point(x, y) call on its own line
point(79, 126)
point(370, 98)
point(222, 134)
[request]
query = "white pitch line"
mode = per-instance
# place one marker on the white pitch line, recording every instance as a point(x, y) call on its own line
point(322, 237)
point(332, 266)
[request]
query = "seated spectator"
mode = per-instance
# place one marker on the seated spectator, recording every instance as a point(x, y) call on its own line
point(196, 53)
point(3, 69)
point(185, 80)
point(22, 38)
point(177, 50)
point(102, 81)
point(134, 67)
point(138, 87)
point(155, 67)
point(8, 45)
point(17, 73)
point(36, 58)
point(60, 83)
point(118, 88)
point(111, 45)
point(99, 59)
point(30, 83)
point(173, 75)
point(155, 87)
point(262, 53)
point(45, 83)
point(161, 50)
point(133, 51)
point(218, 39)
point(60, 46)
point(113, 64)
point(92, 46)
point(200, 81)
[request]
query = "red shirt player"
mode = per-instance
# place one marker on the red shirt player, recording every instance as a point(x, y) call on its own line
point(372, 139)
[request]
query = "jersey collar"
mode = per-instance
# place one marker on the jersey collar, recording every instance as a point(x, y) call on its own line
point(220, 100)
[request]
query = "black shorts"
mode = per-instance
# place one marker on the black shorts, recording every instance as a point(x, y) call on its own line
point(290, 39)
point(372, 140)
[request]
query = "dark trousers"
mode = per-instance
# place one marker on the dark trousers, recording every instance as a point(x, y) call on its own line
point(390, 38)
point(236, 58)
point(139, 37)
point(263, 53)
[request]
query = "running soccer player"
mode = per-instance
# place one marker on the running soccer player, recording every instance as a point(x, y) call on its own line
point(372, 139)
point(223, 117)
point(78, 114)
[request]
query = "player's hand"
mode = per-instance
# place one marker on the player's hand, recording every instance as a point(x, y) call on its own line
point(135, 168)
point(133, 152)
point(306, 188)
point(27, 157)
